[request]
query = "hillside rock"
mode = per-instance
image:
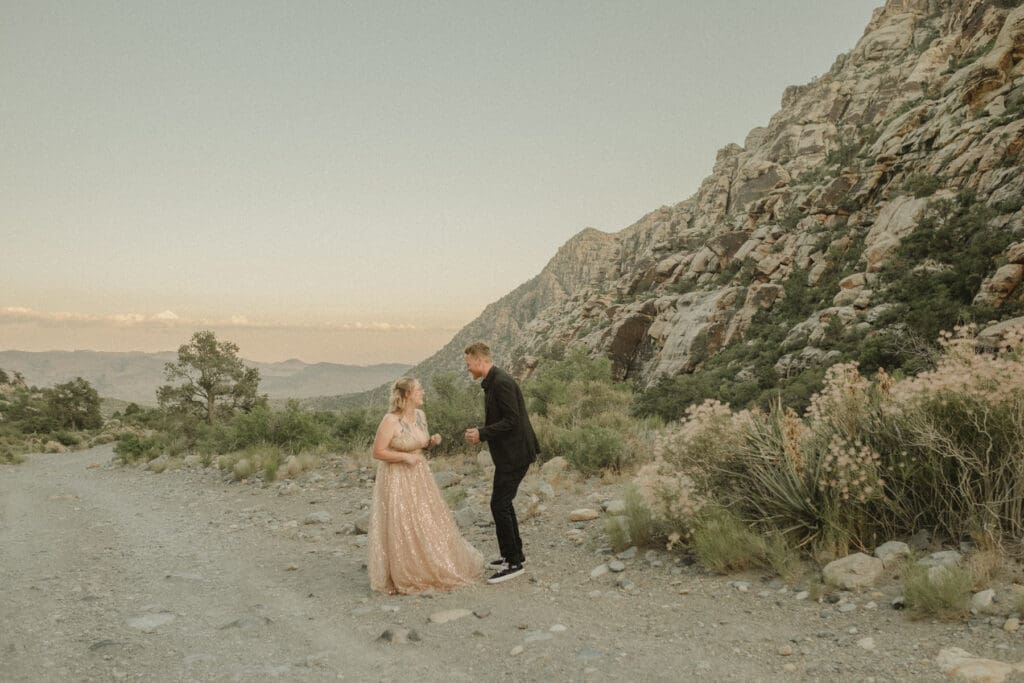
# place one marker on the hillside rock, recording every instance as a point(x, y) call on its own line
point(927, 107)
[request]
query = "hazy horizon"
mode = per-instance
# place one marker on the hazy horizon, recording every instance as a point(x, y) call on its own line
point(354, 183)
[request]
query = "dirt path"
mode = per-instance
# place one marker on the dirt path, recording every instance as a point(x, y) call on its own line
point(116, 573)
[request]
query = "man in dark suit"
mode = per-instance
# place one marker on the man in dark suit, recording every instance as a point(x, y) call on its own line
point(513, 446)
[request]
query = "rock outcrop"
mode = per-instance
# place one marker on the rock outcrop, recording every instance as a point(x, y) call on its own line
point(927, 108)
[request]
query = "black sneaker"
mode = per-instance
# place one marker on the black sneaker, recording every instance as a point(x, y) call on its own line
point(510, 572)
point(500, 563)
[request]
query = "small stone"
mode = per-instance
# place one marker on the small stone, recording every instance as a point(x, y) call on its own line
point(399, 636)
point(853, 571)
point(1011, 625)
point(802, 595)
point(789, 667)
point(946, 558)
point(599, 571)
point(741, 586)
point(982, 599)
point(847, 607)
point(448, 615)
point(484, 460)
point(361, 524)
point(292, 568)
point(786, 650)
point(958, 663)
point(892, 552)
point(616, 566)
point(482, 613)
point(627, 554)
point(516, 651)
point(557, 628)
point(867, 643)
point(149, 623)
point(583, 515)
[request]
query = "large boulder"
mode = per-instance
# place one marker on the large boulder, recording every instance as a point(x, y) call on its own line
point(853, 571)
point(892, 552)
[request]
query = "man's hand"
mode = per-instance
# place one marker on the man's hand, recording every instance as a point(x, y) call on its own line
point(473, 435)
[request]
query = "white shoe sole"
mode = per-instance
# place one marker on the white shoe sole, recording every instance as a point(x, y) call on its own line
point(505, 577)
point(498, 567)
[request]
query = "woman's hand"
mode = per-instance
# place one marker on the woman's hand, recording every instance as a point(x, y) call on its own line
point(414, 458)
point(435, 440)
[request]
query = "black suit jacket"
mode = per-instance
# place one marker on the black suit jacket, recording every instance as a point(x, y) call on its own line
point(507, 429)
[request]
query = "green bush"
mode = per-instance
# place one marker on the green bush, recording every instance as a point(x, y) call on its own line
point(938, 268)
point(639, 527)
point(724, 543)
point(133, 447)
point(581, 414)
point(937, 592)
point(451, 405)
point(922, 184)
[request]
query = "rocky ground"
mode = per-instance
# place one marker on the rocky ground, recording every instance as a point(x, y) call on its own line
point(111, 572)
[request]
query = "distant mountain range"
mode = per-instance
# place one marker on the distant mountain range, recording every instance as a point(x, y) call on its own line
point(135, 376)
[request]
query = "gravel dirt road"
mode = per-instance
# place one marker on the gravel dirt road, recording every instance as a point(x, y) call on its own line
point(116, 573)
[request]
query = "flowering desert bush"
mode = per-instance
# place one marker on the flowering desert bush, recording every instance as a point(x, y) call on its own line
point(870, 459)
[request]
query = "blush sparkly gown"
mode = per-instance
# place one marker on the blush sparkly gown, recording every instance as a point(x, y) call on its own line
point(414, 543)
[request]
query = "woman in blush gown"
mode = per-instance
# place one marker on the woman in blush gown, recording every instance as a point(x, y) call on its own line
point(414, 544)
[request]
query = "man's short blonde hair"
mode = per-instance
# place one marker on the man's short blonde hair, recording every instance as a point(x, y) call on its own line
point(478, 350)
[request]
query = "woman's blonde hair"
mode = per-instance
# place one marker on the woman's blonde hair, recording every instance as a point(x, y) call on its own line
point(401, 392)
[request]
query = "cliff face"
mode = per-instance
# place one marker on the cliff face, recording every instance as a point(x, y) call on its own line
point(928, 106)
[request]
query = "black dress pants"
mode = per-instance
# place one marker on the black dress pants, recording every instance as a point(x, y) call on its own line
point(506, 484)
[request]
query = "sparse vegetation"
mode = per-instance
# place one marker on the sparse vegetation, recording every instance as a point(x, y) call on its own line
point(937, 592)
point(580, 414)
point(922, 184)
point(66, 415)
point(870, 459)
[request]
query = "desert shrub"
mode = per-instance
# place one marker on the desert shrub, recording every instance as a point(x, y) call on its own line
point(870, 458)
point(638, 527)
point(955, 435)
point(922, 184)
point(243, 469)
point(134, 447)
point(8, 456)
point(451, 405)
point(937, 269)
point(66, 438)
point(355, 428)
point(937, 592)
point(581, 414)
point(724, 543)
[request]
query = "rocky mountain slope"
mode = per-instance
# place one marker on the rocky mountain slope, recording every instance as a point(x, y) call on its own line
point(880, 204)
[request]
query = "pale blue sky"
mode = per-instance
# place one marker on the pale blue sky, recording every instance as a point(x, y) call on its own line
point(353, 181)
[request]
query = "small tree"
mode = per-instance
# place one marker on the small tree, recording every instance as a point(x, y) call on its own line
point(73, 405)
point(213, 379)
